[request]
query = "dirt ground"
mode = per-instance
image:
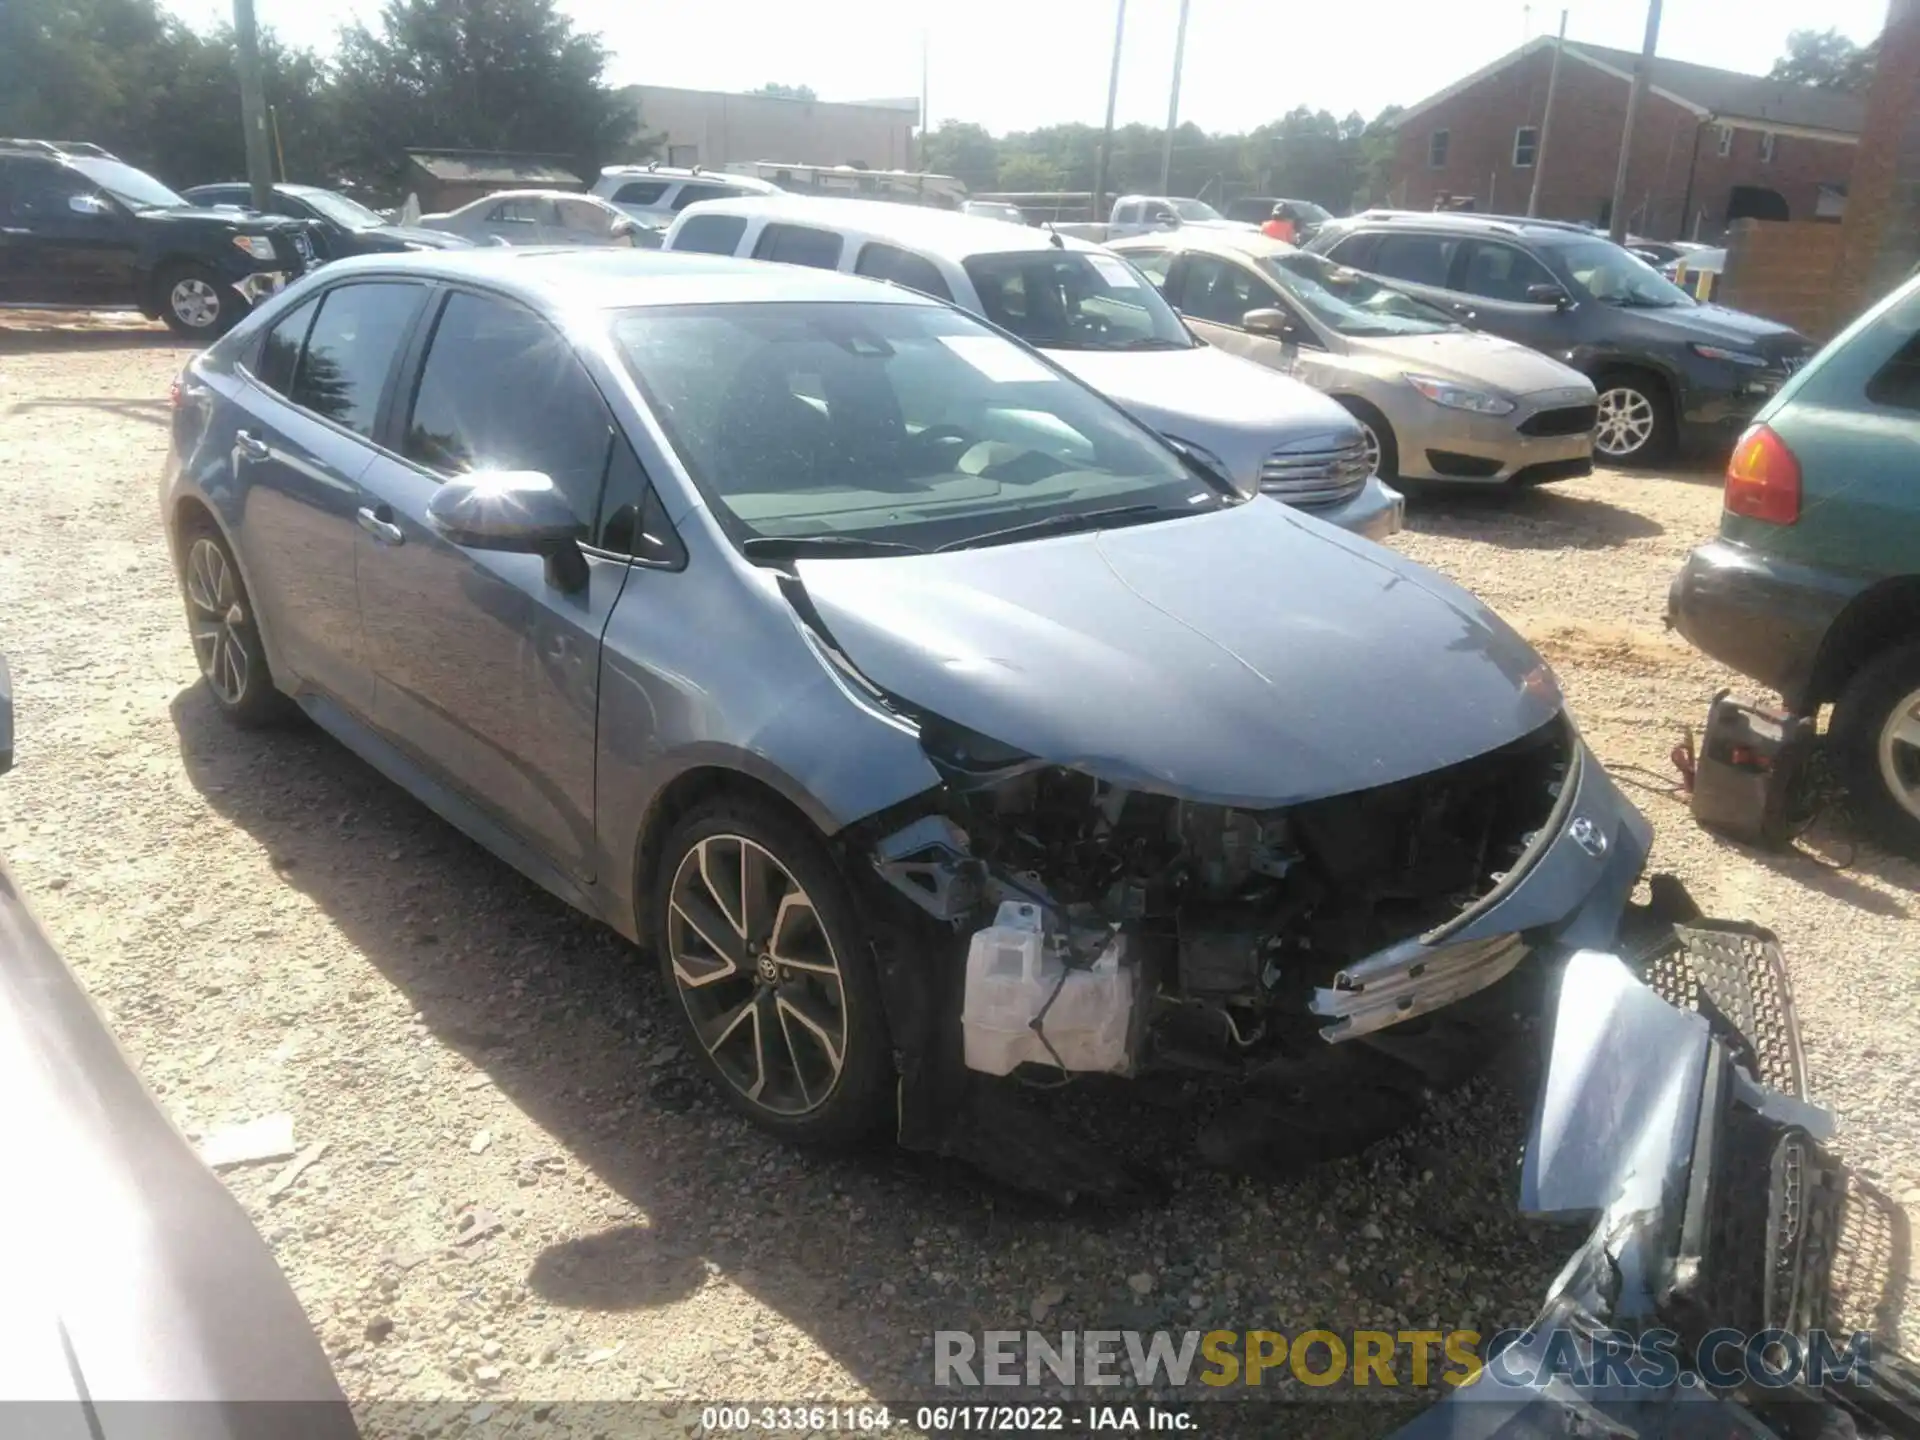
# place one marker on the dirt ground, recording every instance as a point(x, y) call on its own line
point(522, 1195)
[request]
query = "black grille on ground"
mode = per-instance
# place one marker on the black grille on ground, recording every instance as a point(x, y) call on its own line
point(1566, 420)
point(1466, 467)
point(1547, 471)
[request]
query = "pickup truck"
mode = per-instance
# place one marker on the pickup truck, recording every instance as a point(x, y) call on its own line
point(1145, 214)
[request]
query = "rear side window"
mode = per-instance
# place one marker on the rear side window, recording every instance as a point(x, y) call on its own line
point(502, 390)
point(516, 212)
point(799, 245)
point(1897, 384)
point(903, 267)
point(1422, 259)
point(711, 234)
point(639, 192)
point(280, 351)
point(350, 350)
point(694, 194)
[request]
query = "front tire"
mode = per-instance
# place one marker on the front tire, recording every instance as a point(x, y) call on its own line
point(1635, 425)
point(1383, 448)
point(226, 637)
point(196, 303)
point(1876, 736)
point(772, 973)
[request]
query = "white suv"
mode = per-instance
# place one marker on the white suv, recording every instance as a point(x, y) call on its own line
point(657, 193)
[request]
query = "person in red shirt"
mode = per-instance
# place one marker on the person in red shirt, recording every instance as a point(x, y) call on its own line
point(1279, 225)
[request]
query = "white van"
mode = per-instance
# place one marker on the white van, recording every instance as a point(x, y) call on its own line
point(1094, 315)
point(656, 193)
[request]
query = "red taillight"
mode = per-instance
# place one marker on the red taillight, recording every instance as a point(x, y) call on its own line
point(1763, 478)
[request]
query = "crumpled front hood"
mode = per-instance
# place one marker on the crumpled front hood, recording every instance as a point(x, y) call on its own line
point(1205, 392)
point(1251, 656)
point(1716, 323)
point(239, 221)
point(1469, 357)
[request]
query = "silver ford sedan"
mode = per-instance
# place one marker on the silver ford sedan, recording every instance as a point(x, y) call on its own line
point(839, 647)
point(1439, 402)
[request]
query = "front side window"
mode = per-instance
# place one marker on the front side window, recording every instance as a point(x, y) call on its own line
point(799, 245)
point(1349, 302)
point(38, 192)
point(1526, 145)
point(133, 188)
point(350, 351)
point(639, 192)
point(1437, 144)
point(1222, 292)
point(903, 267)
point(889, 424)
point(502, 390)
point(711, 234)
point(694, 194)
point(1501, 272)
point(1074, 300)
point(1420, 259)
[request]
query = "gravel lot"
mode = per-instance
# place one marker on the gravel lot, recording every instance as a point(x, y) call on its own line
point(521, 1196)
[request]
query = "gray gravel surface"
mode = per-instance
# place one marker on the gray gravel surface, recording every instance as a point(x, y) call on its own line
point(521, 1196)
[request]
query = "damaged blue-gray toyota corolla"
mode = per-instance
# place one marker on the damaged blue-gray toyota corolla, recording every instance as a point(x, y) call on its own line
point(938, 725)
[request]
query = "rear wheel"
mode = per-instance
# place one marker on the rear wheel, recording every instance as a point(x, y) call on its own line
point(226, 641)
point(196, 303)
point(1876, 734)
point(1635, 423)
point(771, 968)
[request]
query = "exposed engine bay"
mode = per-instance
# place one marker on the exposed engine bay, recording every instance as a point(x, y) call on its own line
point(1210, 927)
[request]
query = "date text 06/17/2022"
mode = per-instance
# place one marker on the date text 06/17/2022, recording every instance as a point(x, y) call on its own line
point(946, 1418)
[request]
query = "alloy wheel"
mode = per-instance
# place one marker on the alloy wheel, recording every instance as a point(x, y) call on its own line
point(195, 302)
point(1899, 753)
point(1372, 441)
point(217, 618)
point(758, 974)
point(1625, 422)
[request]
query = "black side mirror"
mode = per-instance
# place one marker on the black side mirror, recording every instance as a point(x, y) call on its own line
point(519, 511)
point(1545, 294)
point(1272, 322)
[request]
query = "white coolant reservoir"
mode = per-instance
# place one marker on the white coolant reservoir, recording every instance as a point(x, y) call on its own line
point(1012, 972)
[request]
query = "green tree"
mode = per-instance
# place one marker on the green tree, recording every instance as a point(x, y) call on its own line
point(965, 151)
point(473, 74)
point(785, 92)
point(1027, 173)
point(1827, 59)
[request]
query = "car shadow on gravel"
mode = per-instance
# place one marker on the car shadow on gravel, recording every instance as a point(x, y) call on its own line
point(150, 412)
point(19, 341)
point(869, 1253)
point(1528, 519)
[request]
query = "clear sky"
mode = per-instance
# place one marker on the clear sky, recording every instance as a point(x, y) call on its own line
point(1016, 64)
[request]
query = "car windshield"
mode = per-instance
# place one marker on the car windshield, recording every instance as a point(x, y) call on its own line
point(349, 214)
point(1612, 276)
point(1311, 213)
point(1075, 300)
point(133, 188)
point(840, 426)
point(1349, 302)
point(1194, 210)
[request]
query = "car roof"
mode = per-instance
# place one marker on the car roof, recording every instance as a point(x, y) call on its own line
point(671, 173)
point(1250, 243)
point(602, 278)
point(1465, 221)
point(946, 233)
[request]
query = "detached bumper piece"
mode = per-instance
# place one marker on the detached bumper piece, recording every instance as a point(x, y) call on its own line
point(1386, 989)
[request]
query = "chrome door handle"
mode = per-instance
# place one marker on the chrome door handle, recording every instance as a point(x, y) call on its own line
point(376, 524)
point(252, 447)
point(14, 230)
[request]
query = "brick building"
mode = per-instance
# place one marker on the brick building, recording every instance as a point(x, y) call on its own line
point(1710, 146)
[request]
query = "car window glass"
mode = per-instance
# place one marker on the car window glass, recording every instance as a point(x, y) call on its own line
point(1501, 272)
point(903, 267)
point(639, 192)
point(350, 350)
point(280, 351)
point(1154, 264)
point(694, 194)
point(523, 212)
point(1074, 300)
point(1897, 384)
point(1422, 259)
point(799, 245)
point(502, 390)
point(42, 191)
point(711, 234)
point(1223, 292)
point(633, 521)
point(585, 217)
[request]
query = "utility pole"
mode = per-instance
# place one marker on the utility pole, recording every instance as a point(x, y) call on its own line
point(926, 125)
point(1106, 135)
point(1546, 120)
point(1617, 209)
point(1173, 102)
point(253, 105)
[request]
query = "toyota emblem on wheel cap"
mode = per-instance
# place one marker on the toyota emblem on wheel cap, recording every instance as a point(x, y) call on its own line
point(1588, 836)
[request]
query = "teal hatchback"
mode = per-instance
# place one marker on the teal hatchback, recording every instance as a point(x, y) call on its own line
point(1813, 586)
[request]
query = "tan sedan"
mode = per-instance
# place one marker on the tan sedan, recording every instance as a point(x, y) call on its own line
point(1439, 402)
